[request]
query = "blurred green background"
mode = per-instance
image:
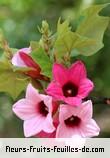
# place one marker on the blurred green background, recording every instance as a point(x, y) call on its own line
point(19, 21)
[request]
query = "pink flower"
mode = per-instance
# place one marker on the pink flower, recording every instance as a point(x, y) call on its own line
point(17, 59)
point(22, 59)
point(70, 85)
point(36, 111)
point(77, 121)
point(43, 134)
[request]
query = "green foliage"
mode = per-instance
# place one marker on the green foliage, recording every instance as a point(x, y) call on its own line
point(93, 27)
point(43, 60)
point(86, 40)
point(67, 40)
point(19, 21)
point(11, 82)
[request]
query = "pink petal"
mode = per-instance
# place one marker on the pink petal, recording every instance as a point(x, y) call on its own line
point(33, 126)
point(24, 109)
point(43, 134)
point(46, 135)
point(77, 72)
point(32, 94)
point(65, 132)
point(48, 125)
point(86, 111)
point(60, 73)
point(64, 112)
point(90, 130)
point(55, 90)
point(26, 50)
point(67, 111)
point(75, 101)
point(47, 101)
point(85, 87)
point(17, 61)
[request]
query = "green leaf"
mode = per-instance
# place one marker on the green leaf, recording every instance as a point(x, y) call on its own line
point(93, 27)
point(67, 40)
point(11, 82)
point(87, 39)
point(63, 27)
point(34, 45)
point(43, 60)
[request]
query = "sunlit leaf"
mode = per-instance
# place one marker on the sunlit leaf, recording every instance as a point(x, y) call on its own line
point(67, 40)
point(11, 82)
point(93, 27)
point(87, 39)
point(43, 60)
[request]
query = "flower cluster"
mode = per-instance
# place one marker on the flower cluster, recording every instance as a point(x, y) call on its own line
point(61, 112)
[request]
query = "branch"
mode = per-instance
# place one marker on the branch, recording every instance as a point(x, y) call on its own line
point(99, 100)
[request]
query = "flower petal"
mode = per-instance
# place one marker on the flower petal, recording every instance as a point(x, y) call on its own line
point(91, 129)
point(48, 125)
point(33, 126)
point(60, 74)
point(17, 61)
point(55, 90)
point(43, 134)
point(26, 50)
point(47, 101)
point(86, 111)
point(75, 101)
point(77, 72)
point(85, 87)
point(32, 94)
point(64, 112)
point(24, 109)
point(67, 111)
point(65, 132)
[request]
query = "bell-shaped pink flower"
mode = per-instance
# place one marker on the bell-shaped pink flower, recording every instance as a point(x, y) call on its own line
point(76, 121)
point(36, 111)
point(70, 85)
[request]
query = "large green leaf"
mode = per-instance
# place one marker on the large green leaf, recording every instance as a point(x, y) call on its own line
point(43, 60)
point(87, 39)
point(93, 27)
point(63, 27)
point(11, 82)
point(67, 40)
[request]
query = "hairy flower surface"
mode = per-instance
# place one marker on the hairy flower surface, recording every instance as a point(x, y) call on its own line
point(70, 85)
point(36, 111)
point(76, 121)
